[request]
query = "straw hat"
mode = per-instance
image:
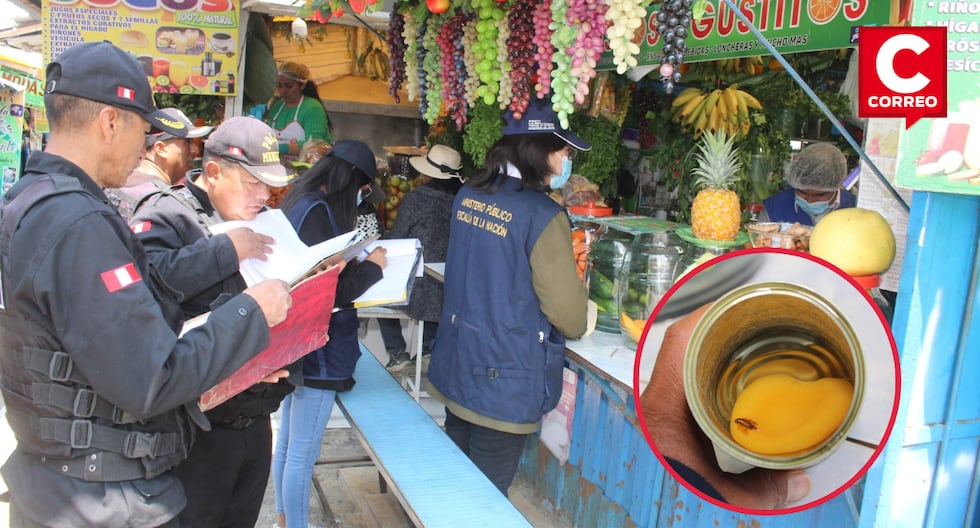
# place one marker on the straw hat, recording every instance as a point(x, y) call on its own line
point(441, 163)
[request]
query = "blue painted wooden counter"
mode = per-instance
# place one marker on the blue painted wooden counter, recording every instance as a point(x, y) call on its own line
point(612, 477)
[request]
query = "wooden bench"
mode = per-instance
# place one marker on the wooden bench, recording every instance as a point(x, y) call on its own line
point(432, 479)
point(414, 343)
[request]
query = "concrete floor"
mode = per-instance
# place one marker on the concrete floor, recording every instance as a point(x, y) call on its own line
point(346, 485)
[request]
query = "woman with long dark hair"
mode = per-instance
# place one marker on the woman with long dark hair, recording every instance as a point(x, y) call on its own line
point(321, 205)
point(512, 295)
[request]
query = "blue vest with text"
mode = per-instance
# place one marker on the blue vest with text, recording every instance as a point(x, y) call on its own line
point(495, 352)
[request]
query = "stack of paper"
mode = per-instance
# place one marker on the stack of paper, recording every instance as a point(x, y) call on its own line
point(405, 262)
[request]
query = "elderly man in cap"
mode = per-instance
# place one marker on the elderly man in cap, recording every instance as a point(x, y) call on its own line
point(100, 391)
point(815, 187)
point(168, 159)
point(227, 470)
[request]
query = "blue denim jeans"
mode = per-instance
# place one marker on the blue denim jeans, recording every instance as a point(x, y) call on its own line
point(304, 416)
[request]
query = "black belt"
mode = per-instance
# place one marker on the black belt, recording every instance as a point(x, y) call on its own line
point(237, 422)
point(98, 467)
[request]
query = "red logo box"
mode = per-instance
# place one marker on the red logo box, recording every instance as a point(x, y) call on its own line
point(902, 72)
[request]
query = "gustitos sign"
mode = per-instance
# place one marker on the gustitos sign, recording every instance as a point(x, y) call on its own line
point(185, 46)
point(791, 26)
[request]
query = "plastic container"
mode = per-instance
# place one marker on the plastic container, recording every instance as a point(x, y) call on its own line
point(784, 235)
point(649, 270)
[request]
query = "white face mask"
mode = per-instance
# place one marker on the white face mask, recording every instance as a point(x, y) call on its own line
point(360, 197)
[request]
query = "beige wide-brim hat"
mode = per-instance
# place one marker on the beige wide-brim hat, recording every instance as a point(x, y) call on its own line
point(441, 163)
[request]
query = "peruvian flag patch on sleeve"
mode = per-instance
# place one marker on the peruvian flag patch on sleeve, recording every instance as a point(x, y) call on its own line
point(121, 277)
point(141, 227)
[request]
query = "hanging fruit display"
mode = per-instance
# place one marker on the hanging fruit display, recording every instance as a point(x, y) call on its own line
point(673, 19)
point(626, 18)
point(520, 54)
point(396, 55)
point(725, 110)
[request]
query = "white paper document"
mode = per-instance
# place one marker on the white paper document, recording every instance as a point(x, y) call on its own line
point(404, 258)
point(290, 258)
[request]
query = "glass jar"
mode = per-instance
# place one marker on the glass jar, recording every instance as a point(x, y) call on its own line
point(606, 257)
point(648, 271)
point(584, 233)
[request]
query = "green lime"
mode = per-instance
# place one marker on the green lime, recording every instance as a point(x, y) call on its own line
point(163, 80)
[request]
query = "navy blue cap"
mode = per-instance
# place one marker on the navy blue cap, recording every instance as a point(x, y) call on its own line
point(99, 71)
point(358, 154)
point(540, 118)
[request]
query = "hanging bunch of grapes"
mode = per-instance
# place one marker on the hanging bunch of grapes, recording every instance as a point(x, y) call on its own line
point(506, 89)
point(520, 54)
point(450, 41)
point(673, 21)
point(396, 54)
point(410, 37)
point(562, 83)
point(590, 17)
point(544, 50)
point(472, 78)
point(625, 19)
point(431, 65)
point(488, 56)
point(420, 52)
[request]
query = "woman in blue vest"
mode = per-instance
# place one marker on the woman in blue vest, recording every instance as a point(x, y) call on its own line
point(321, 205)
point(815, 187)
point(512, 295)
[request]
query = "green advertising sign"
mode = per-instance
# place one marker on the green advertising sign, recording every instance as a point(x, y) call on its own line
point(34, 87)
point(791, 26)
point(943, 154)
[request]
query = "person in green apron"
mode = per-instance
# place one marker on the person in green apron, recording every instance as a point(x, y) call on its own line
point(297, 114)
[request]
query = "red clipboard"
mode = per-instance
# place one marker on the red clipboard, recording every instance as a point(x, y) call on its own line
point(303, 331)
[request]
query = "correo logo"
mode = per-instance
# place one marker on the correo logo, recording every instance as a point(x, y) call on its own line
point(902, 72)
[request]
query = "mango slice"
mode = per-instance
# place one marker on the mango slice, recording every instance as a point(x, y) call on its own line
point(778, 414)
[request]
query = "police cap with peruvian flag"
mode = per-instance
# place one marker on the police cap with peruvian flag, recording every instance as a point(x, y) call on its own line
point(99, 71)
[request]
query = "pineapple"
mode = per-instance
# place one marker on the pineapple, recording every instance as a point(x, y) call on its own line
point(716, 213)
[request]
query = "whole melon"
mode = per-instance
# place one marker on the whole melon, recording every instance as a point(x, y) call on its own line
point(858, 241)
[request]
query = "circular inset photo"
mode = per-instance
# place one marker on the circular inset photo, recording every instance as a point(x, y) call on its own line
point(774, 394)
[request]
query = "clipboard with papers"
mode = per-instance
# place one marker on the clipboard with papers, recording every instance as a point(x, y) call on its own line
point(312, 273)
point(405, 263)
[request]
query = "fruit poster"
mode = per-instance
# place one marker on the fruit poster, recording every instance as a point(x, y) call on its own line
point(792, 26)
point(943, 154)
point(187, 47)
point(881, 145)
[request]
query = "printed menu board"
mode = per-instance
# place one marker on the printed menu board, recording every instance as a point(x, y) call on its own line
point(943, 154)
point(11, 134)
point(185, 46)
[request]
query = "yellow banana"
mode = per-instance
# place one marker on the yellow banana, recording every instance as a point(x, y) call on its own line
point(685, 96)
point(742, 107)
point(731, 104)
point(695, 114)
point(691, 105)
point(751, 101)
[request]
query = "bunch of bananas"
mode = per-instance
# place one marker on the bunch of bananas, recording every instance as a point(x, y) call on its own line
point(718, 109)
point(726, 68)
point(374, 64)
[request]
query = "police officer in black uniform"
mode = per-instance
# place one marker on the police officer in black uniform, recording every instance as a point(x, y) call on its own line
point(100, 391)
point(227, 471)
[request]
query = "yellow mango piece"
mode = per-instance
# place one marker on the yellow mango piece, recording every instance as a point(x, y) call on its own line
point(634, 327)
point(781, 415)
